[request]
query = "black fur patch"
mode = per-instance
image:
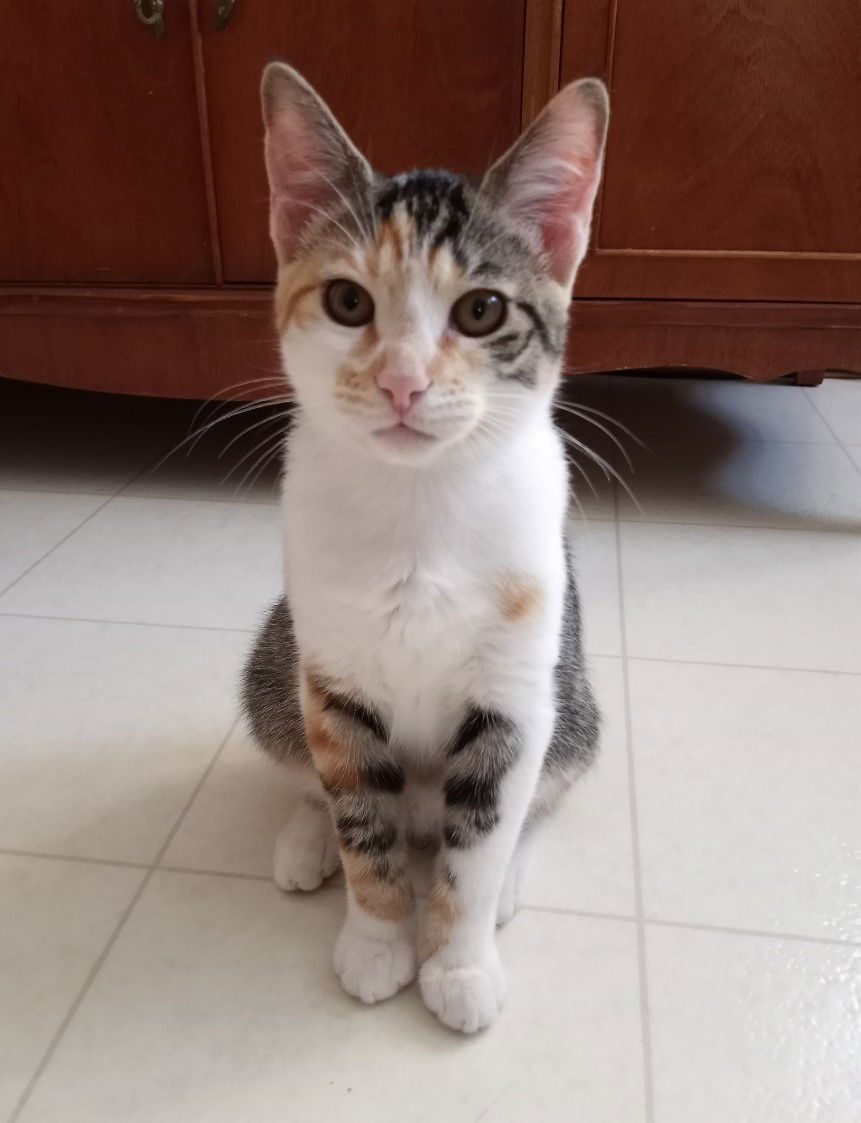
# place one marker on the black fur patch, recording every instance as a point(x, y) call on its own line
point(484, 748)
point(384, 776)
point(538, 323)
point(476, 722)
point(509, 347)
point(357, 712)
point(435, 201)
point(364, 834)
point(522, 375)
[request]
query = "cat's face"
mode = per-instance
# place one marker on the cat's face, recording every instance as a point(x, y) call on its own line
point(417, 313)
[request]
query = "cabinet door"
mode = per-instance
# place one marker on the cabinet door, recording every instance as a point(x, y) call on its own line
point(102, 176)
point(734, 155)
point(414, 84)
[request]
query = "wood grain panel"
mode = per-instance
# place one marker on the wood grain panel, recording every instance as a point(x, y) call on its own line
point(101, 168)
point(733, 161)
point(414, 84)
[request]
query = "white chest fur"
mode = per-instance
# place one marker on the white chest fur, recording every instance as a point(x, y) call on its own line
point(397, 577)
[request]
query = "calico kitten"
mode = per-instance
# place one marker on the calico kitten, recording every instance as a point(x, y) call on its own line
point(422, 676)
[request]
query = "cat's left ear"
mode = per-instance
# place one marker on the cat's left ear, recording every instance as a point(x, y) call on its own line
point(549, 178)
point(312, 164)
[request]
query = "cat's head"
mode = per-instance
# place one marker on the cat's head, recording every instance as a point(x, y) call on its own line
point(419, 312)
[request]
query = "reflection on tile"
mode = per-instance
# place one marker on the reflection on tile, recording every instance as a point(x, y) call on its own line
point(219, 1002)
point(714, 409)
point(161, 561)
point(31, 523)
point(57, 917)
point(839, 402)
point(729, 595)
point(237, 459)
point(104, 731)
point(747, 795)
point(577, 401)
point(54, 439)
point(776, 483)
point(753, 1029)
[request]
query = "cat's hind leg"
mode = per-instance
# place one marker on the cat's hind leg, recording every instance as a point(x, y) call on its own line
point(306, 852)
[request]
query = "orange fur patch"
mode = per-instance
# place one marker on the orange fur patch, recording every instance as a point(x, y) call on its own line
point(519, 596)
point(359, 379)
point(382, 899)
point(293, 302)
point(332, 757)
point(441, 913)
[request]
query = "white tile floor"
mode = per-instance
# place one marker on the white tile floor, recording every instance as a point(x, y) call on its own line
point(691, 952)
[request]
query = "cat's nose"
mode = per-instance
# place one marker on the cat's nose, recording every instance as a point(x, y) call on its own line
point(402, 387)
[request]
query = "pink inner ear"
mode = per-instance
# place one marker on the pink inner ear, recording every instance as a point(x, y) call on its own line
point(564, 222)
point(551, 176)
point(297, 183)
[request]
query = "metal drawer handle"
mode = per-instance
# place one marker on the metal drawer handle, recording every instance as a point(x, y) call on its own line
point(153, 18)
point(223, 12)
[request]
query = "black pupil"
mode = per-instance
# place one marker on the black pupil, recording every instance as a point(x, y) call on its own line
point(479, 307)
point(350, 298)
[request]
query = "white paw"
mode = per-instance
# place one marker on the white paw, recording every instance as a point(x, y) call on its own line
point(513, 894)
point(306, 852)
point(468, 997)
point(372, 969)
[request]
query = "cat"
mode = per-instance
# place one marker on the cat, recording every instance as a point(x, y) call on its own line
point(422, 676)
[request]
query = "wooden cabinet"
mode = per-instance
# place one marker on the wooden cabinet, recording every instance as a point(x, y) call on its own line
point(727, 233)
point(733, 166)
point(134, 253)
point(102, 177)
point(414, 84)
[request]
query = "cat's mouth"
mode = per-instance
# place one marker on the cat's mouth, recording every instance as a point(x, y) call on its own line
point(402, 434)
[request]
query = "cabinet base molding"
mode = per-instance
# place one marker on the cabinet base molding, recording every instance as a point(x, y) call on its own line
point(195, 343)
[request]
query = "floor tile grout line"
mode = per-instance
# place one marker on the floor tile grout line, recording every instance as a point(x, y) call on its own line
point(81, 859)
point(114, 936)
point(126, 623)
point(849, 529)
point(642, 964)
point(739, 666)
point(138, 495)
point(56, 546)
point(74, 530)
point(78, 999)
point(554, 910)
point(190, 870)
point(78, 493)
point(197, 788)
point(833, 432)
point(585, 914)
point(729, 930)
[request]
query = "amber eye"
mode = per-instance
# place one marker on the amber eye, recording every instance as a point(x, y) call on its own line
point(348, 303)
point(479, 312)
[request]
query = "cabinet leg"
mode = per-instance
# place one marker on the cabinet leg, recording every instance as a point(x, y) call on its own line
point(807, 377)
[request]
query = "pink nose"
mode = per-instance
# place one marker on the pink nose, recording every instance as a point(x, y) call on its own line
point(403, 388)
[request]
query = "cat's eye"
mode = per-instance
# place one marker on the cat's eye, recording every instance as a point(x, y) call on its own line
point(479, 312)
point(347, 303)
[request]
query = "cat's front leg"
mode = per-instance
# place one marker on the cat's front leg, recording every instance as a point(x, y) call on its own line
point(375, 953)
point(492, 769)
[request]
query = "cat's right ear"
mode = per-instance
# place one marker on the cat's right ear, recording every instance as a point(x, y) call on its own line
point(312, 165)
